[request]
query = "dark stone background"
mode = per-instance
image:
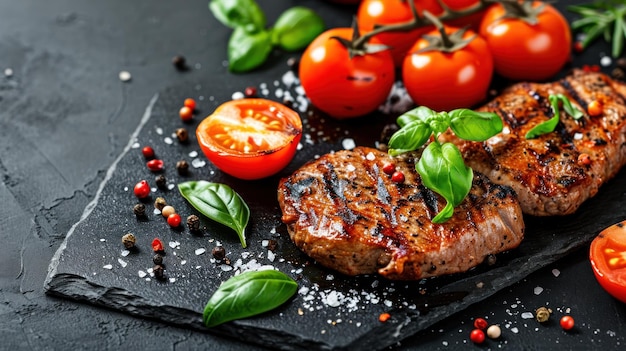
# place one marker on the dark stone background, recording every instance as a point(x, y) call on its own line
point(65, 117)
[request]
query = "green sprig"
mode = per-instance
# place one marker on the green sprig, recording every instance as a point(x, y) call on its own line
point(602, 18)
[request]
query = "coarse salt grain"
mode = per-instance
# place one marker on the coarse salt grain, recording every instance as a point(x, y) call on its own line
point(103, 240)
point(556, 272)
point(108, 266)
point(271, 256)
point(351, 168)
point(174, 244)
point(198, 163)
point(200, 251)
point(122, 262)
point(8, 72)
point(183, 262)
point(527, 315)
point(168, 140)
point(142, 274)
point(125, 253)
point(172, 280)
point(606, 61)
point(193, 154)
point(124, 76)
point(348, 143)
point(370, 156)
point(538, 290)
point(159, 130)
point(237, 95)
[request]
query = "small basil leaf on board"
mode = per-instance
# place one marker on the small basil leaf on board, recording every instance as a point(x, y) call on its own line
point(409, 138)
point(474, 126)
point(421, 113)
point(248, 50)
point(238, 13)
point(443, 171)
point(218, 202)
point(567, 106)
point(248, 294)
point(296, 28)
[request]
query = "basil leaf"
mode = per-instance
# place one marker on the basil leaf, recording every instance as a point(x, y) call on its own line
point(474, 126)
point(238, 13)
point(218, 202)
point(421, 113)
point(443, 171)
point(409, 138)
point(549, 125)
point(296, 28)
point(248, 50)
point(248, 294)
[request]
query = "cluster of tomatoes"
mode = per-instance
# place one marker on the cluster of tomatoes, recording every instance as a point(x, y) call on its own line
point(344, 82)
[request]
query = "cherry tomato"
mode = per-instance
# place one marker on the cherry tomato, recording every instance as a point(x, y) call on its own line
point(372, 13)
point(524, 51)
point(186, 113)
point(445, 81)
point(250, 138)
point(567, 322)
point(608, 260)
point(142, 189)
point(341, 86)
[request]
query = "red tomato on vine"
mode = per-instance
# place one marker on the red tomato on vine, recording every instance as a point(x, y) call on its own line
point(534, 44)
point(445, 78)
point(344, 80)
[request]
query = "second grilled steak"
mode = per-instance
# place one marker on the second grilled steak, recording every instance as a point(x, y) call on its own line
point(347, 214)
point(556, 172)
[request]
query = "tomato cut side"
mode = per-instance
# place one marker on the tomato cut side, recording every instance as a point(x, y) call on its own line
point(250, 138)
point(608, 260)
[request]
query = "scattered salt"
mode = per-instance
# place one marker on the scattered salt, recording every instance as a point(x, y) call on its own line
point(125, 253)
point(527, 315)
point(103, 240)
point(538, 290)
point(8, 72)
point(271, 256)
point(606, 61)
point(198, 163)
point(193, 154)
point(348, 143)
point(556, 272)
point(174, 244)
point(168, 140)
point(125, 76)
point(122, 262)
point(515, 330)
point(183, 262)
point(159, 130)
point(200, 251)
point(142, 274)
point(108, 266)
point(237, 95)
point(351, 168)
point(172, 280)
point(370, 156)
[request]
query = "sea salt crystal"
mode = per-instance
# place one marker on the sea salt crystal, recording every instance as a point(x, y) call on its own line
point(122, 262)
point(538, 290)
point(8, 72)
point(193, 154)
point(103, 240)
point(125, 76)
point(226, 268)
point(142, 274)
point(172, 280)
point(183, 262)
point(606, 61)
point(170, 186)
point(370, 156)
point(168, 140)
point(156, 211)
point(556, 272)
point(348, 143)
point(198, 163)
point(125, 253)
point(200, 251)
point(515, 330)
point(578, 136)
point(271, 256)
point(289, 78)
point(332, 299)
point(330, 277)
point(237, 95)
point(108, 266)
point(351, 168)
point(174, 244)
point(527, 315)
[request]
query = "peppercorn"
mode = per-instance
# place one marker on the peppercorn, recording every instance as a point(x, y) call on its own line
point(129, 240)
point(491, 259)
point(179, 62)
point(271, 245)
point(584, 159)
point(621, 63)
point(542, 314)
point(182, 135)
point(219, 253)
point(193, 222)
point(494, 331)
point(618, 73)
point(139, 210)
point(157, 259)
point(161, 181)
point(182, 167)
point(158, 271)
point(250, 92)
point(167, 211)
point(159, 203)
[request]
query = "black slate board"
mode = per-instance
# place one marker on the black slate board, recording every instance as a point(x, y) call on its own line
point(308, 321)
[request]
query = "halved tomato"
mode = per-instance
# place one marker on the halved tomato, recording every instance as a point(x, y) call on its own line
point(608, 260)
point(250, 138)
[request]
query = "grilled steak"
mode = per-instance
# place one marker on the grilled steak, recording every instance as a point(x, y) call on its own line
point(347, 214)
point(556, 172)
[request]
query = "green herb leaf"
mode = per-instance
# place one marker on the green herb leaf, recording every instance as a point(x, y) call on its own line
point(248, 294)
point(549, 125)
point(421, 113)
point(474, 126)
point(238, 13)
point(296, 28)
point(248, 50)
point(602, 18)
point(443, 171)
point(409, 138)
point(218, 202)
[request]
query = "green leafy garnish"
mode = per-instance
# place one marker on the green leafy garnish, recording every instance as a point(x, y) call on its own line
point(252, 41)
point(248, 294)
point(602, 18)
point(549, 125)
point(441, 166)
point(218, 202)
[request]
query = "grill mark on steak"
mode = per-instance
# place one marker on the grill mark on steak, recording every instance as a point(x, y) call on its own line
point(389, 230)
point(545, 172)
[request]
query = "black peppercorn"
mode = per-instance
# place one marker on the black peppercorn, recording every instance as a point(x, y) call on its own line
point(157, 259)
point(159, 203)
point(618, 73)
point(139, 210)
point(271, 245)
point(158, 271)
point(182, 135)
point(161, 181)
point(179, 62)
point(621, 63)
point(182, 167)
point(193, 222)
point(219, 253)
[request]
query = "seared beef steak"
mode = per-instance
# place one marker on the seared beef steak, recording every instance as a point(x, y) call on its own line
point(347, 214)
point(556, 172)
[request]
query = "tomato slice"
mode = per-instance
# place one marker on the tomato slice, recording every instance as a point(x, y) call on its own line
point(608, 260)
point(250, 138)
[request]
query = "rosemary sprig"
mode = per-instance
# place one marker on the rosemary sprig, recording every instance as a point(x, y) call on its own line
point(602, 18)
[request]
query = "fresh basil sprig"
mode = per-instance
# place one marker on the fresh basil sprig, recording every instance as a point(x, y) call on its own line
point(441, 166)
point(248, 294)
point(218, 202)
point(252, 42)
point(549, 125)
point(602, 18)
